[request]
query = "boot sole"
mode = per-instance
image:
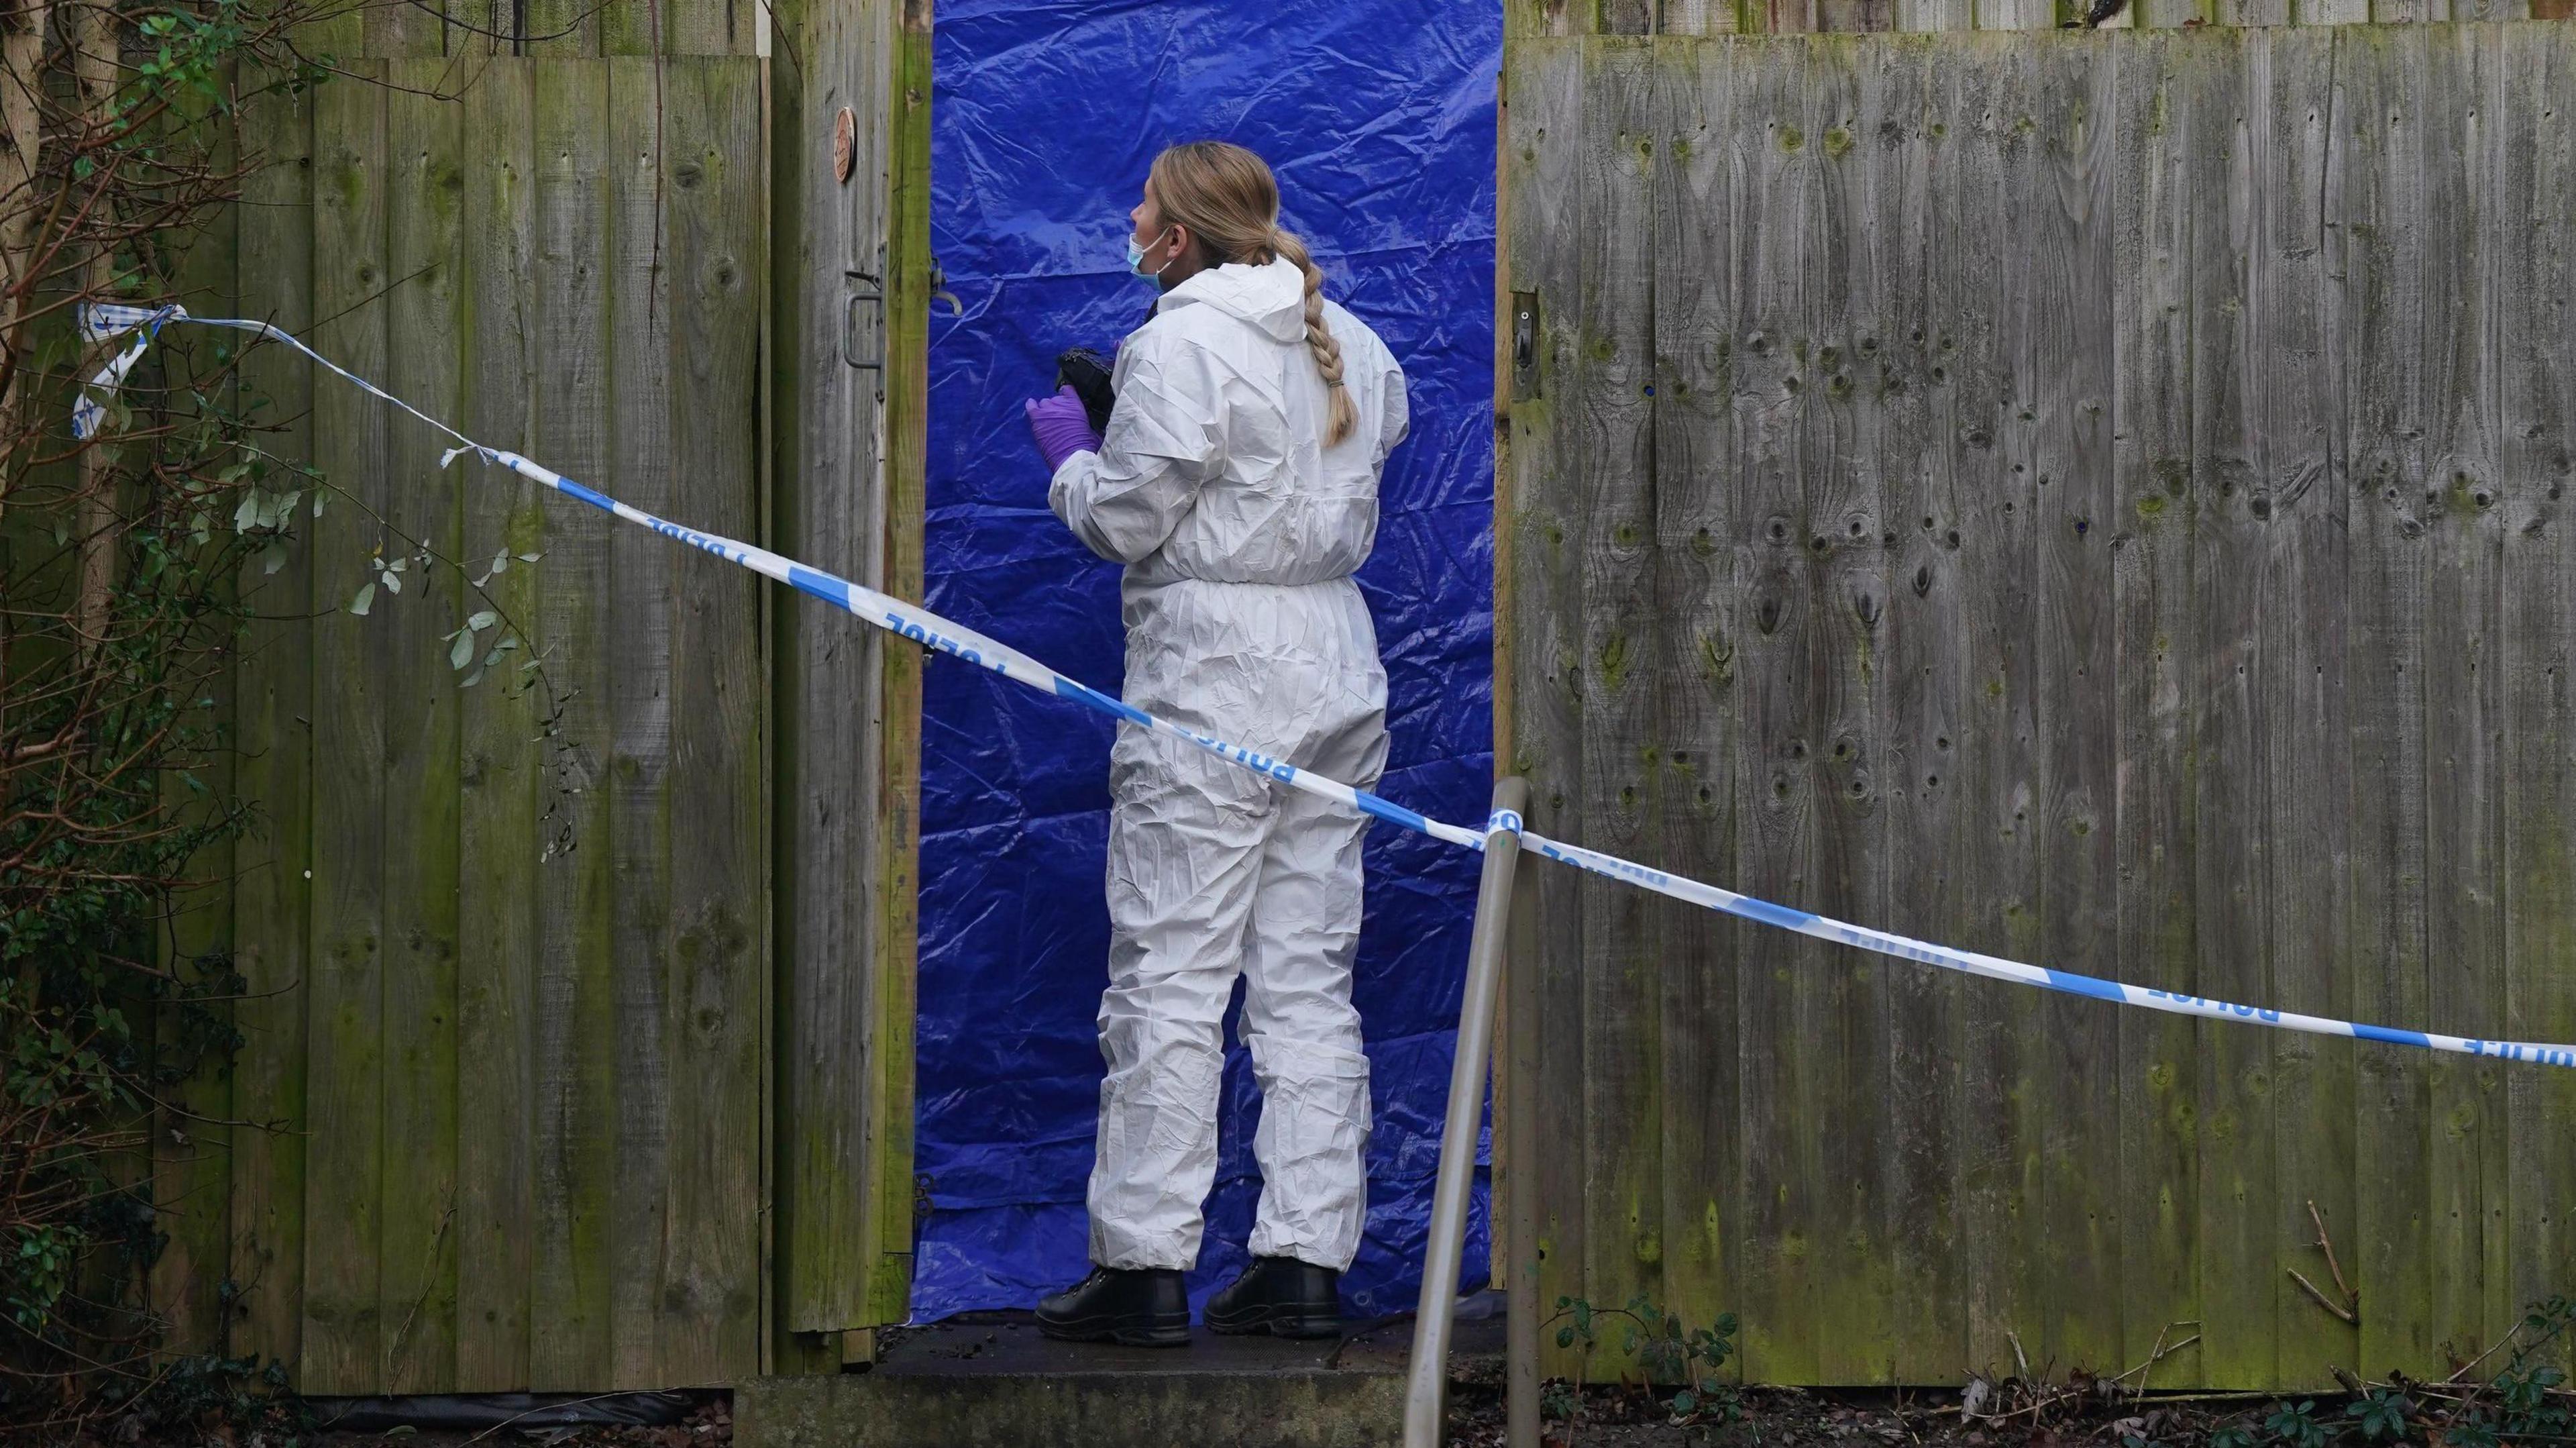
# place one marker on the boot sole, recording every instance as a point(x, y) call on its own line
point(1278, 1322)
point(1123, 1331)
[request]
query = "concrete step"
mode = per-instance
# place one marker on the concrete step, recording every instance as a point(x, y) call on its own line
point(999, 1384)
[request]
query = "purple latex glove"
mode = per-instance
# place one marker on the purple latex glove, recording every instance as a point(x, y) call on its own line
point(1060, 426)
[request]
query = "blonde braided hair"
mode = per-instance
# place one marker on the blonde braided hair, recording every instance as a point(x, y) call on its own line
point(1227, 199)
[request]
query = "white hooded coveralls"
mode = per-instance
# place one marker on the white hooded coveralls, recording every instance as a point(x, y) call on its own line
point(1240, 530)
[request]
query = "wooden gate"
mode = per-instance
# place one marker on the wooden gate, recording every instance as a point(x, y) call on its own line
point(548, 1081)
point(2097, 500)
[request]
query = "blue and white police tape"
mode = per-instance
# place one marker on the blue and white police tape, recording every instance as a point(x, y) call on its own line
point(933, 632)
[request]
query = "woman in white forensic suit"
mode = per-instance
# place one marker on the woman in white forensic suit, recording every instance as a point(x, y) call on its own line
point(1237, 481)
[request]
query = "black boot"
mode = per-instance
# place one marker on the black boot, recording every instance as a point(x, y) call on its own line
point(1141, 1307)
point(1281, 1296)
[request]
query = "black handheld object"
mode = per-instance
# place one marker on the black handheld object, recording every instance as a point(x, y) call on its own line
point(1087, 373)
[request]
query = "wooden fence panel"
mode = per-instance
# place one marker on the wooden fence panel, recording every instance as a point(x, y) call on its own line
point(512, 1100)
point(533, 1106)
point(2104, 510)
point(1542, 18)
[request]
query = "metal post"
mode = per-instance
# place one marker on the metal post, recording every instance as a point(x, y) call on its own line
point(1520, 1174)
point(1427, 1375)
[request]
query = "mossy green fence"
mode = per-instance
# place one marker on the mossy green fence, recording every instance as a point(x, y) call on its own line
point(517, 1048)
point(2097, 499)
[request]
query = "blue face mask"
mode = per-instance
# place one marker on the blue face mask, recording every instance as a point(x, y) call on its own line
point(1136, 258)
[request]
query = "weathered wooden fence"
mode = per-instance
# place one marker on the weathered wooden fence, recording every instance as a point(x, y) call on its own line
point(2094, 499)
point(516, 1074)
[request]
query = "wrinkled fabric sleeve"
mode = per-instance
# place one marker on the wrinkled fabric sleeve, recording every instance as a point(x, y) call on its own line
point(1395, 413)
point(1166, 439)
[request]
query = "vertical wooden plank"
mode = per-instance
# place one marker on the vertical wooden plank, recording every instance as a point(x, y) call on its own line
point(910, 269)
point(501, 766)
point(2013, 668)
point(1842, 1002)
point(1626, 17)
point(1545, 150)
point(2537, 364)
point(1916, 16)
point(272, 896)
point(1610, 427)
point(632, 27)
point(1700, 17)
point(1779, 1265)
point(2076, 705)
point(827, 674)
point(1981, 334)
point(894, 545)
point(2170, 14)
point(2463, 606)
point(765, 518)
point(342, 1328)
point(1856, 15)
point(640, 782)
point(424, 245)
point(708, 27)
point(1695, 604)
point(407, 29)
point(481, 29)
point(2252, 12)
point(672, 27)
point(713, 235)
point(831, 471)
point(1919, 255)
point(1781, 17)
point(2016, 14)
point(2491, 11)
point(558, 28)
point(2150, 526)
point(1536, 19)
point(576, 1022)
point(2379, 208)
point(2404, 12)
point(192, 1140)
point(2238, 1224)
point(2299, 501)
point(336, 32)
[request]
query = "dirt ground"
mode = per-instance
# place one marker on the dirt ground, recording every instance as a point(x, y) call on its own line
point(1789, 1418)
point(1606, 1418)
point(281, 1425)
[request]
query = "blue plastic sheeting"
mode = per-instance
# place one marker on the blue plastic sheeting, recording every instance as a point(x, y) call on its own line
point(1379, 120)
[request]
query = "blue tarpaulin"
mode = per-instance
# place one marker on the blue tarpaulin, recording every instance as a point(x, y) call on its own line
point(1378, 117)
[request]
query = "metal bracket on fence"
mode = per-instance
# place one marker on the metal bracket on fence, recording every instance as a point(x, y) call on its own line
point(1524, 345)
point(1427, 1373)
point(874, 291)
